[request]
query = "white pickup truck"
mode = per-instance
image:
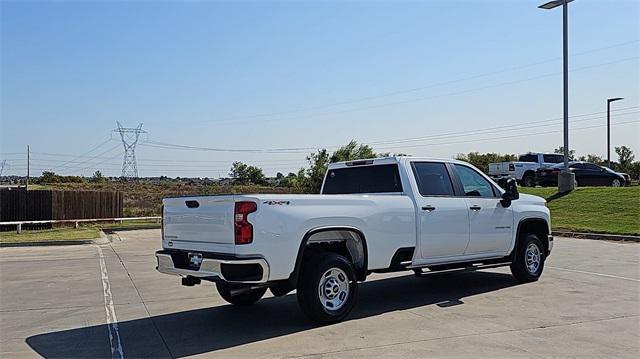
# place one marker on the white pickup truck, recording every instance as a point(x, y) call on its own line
point(377, 215)
point(524, 170)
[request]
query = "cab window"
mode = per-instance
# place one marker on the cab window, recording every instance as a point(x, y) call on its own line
point(473, 183)
point(432, 178)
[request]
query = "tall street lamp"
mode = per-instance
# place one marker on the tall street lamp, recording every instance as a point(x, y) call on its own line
point(566, 178)
point(609, 101)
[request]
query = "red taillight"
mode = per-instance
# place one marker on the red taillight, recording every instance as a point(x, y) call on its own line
point(244, 229)
point(512, 167)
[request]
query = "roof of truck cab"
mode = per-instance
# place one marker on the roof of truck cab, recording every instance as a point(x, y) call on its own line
point(390, 160)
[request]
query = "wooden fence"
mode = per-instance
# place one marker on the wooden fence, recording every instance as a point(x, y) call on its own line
point(21, 205)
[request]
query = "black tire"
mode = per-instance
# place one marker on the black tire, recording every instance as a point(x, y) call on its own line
point(529, 180)
point(313, 274)
point(522, 269)
point(245, 298)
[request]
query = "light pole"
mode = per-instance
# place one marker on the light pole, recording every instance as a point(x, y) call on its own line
point(609, 101)
point(566, 178)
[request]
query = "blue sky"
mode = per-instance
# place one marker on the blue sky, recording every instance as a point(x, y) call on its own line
point(264, 75)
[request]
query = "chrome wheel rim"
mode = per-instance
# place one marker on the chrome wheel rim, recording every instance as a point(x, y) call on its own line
point(333, 289)
point(615, 183)
point(533, 258)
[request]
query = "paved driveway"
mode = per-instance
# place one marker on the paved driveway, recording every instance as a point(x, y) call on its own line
point(57, 301)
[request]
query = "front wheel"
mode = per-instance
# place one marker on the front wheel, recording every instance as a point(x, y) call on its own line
point(529, 259)
point(327, 288)
point(616, 183)
point(240, 295)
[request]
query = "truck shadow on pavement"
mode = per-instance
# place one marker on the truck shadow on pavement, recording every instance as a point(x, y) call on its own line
point(205, 330)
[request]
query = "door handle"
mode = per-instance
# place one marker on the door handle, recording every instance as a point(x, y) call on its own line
point(428, 208)
point(475, 208)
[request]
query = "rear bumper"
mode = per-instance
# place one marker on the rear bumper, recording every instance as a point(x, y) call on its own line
point(502, 175)
point(214, 267)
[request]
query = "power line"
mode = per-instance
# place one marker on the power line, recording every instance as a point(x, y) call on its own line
point(99, 155)
point(501, 128)
point(85, 153)
point(304, 149)
point(423, 98)
point(505, 137)
point(419, 88)
point(491, 139)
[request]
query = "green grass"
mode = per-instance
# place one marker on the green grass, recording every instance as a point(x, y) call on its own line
point(51, 235)
point(85, 231)
point(593, 209)
point(129, 225)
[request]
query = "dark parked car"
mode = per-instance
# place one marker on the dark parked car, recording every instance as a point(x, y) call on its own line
point(587, 174)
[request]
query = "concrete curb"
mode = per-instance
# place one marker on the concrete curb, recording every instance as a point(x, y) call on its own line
point(103, 239)
point(598, 236)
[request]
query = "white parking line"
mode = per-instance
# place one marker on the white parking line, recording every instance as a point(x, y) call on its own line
point(594, 273)
point(112, 321)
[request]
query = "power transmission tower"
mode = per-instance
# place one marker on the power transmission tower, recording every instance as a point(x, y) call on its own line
point(130, 138)
point(2, 165)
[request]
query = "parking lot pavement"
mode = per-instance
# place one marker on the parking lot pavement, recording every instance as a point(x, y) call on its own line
point(84, 301)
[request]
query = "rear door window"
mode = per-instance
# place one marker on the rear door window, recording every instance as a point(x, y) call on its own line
point(528, 158)
point(432, 178)
point(363, 179)
point(553, 158)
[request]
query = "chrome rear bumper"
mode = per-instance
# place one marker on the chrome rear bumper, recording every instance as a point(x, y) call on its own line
point(212, 268)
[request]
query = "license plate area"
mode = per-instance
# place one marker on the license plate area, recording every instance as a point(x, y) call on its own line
point(194, 260)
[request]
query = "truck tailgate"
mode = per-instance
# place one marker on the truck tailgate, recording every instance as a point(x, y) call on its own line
point(498, 168)
point(189, 221)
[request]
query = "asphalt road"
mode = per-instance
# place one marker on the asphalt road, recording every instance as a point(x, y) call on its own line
point(58, 301)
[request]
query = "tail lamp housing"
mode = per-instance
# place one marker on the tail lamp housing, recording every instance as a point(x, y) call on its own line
point(243, 229)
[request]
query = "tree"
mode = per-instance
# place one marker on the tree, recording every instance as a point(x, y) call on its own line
point(98, 177)
point(290, 180)
point(49, 177)
point(482, 160)
point(310, 179)
point(625, 157)
point(245, 174)
point(592, 158)
point(560, 150)
point(353, 151)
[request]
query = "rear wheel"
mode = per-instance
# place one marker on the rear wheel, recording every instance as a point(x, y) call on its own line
point(327, 288)
point(529, 180)
point(529, 259)
point(238, 294)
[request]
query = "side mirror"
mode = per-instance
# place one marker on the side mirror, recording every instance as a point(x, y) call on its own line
point(511, 193)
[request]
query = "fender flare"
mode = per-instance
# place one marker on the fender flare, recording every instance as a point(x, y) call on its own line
point(360, 273)
point(519, 228)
